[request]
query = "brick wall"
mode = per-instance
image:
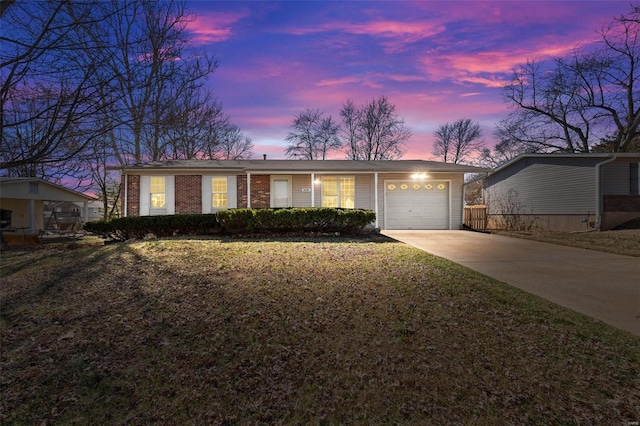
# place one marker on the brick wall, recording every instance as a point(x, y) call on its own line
point(260, 191)
point(133, 195)
point(188, 194)
point(622, 203)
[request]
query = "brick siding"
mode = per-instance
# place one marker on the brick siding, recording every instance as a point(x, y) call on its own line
point(188, 194)
point(260, 191)
point(622, 203)
point(133, 195)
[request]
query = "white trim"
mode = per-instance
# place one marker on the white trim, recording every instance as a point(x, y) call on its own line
point(126, 196)
point(375, 197)
point(313, 189)
point(248, 190)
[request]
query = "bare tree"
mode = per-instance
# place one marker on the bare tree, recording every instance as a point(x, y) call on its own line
point(456, 142)
point(373, 131)
point(232, 144)
point(49, 96)
point(156, 73)
point(583, 99)
point(510, 145)
point(312, 136)
point(350, 114)
point(193, 127)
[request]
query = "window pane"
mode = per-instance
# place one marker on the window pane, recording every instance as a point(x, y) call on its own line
point(219, 184)
point(347, 193)
point(329, 201)
point(157, 184)
point(330, 186)
point(157, 201)
point(157, 189)
point(330, 192)
point(220, 200)
point(219, 192)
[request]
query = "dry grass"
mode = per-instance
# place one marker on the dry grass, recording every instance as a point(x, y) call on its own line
point(626, 242)
point(222, 332)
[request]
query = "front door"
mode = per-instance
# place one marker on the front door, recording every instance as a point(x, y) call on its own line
point(281, 191)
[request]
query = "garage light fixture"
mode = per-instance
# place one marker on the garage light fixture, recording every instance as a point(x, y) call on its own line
point(419, 176)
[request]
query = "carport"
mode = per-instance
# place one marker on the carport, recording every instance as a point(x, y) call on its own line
point(24, 199)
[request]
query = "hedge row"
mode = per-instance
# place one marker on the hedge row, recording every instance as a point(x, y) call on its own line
point(124, 228)
point(235, 221)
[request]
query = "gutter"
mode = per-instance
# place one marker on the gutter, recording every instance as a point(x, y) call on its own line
point(599, 203)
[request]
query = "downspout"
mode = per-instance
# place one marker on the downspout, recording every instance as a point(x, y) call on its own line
point(599, 192)
point(375, 198)
point(86, 211)
point(313, 189)
point(248, 190)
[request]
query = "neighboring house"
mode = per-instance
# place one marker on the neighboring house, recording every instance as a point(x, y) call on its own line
point(95, 210)
point(63, 214)
point(564, 192)
point(405, 194)
point(22, 201)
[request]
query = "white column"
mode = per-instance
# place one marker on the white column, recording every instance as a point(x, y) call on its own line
point(32, 215)
point(126, 195)
point(375, 197)
point(313, 189)
point(248, 190)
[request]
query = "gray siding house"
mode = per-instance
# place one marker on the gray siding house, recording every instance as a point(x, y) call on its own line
point(568, 192)
point(405, 194)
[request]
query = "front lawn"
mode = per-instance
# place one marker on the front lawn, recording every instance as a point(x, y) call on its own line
point(295, 332)
point(626, 242)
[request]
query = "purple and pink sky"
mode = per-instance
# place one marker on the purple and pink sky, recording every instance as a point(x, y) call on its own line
point(436, 61)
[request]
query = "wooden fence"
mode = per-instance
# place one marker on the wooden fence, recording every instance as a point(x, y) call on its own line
point(475, 217)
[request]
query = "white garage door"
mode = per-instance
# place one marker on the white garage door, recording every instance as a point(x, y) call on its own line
point(413, 205)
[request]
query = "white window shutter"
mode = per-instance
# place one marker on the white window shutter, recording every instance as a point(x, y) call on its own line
point(170, 189)
point(145, 188)
point(206, 194)
point(232, 192)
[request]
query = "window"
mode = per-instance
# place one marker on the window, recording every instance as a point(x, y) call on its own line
point(33, 187)
point(158, 192)
point(219, 199)
point(339, 192)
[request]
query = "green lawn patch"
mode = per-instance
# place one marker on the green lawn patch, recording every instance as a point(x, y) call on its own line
point(326, 331)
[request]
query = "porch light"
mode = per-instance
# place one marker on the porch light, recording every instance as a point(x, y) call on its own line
point(419, 176)
point(317, 181)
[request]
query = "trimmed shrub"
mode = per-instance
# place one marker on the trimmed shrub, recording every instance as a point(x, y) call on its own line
point(124, 228)
point(235, 222)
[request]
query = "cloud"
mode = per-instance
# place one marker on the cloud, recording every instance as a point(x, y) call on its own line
point(214, 27)
point(394, 35)
point(491, 68)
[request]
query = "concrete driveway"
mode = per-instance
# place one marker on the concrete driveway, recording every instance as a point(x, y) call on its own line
point(602, 285)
